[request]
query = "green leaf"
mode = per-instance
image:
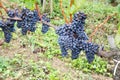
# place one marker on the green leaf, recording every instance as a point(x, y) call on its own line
point(78, 5)
point(119, 8)
point(119, 29)
point(72, 9)
point(117, 40)
point(30, 4)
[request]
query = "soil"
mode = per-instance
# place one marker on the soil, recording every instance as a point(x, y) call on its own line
point(56, 62)
point(60, 65)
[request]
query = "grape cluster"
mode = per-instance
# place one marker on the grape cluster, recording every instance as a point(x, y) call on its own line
point(78, 23)
point(29, 20)
point(7, 30)
point(73, 37)
point(90, 50)
point(45, 27)
point(8, 25)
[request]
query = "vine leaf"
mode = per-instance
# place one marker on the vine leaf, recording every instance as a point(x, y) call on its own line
point(119, 8)
point(72, 9)
point(30, 4)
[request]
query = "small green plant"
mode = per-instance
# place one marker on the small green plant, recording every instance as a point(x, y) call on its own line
point(5, 68)
point(15, 68)
point(3, 64)
point(97, 66)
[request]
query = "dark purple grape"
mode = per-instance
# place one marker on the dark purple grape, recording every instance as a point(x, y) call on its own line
point(63, 50)
point(45, 27)
point(7, 36)
point(11, 13)
point(75, 53)
point(10, 22)
point(64, 30)
point(90, 50)
point(29, 20)
point(73, 37)
point(6, 30)
point(2, 24)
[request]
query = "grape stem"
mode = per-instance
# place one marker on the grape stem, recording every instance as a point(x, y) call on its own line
point(51, 25)
point(38, 10)
point(100, 25)
point(14, 18)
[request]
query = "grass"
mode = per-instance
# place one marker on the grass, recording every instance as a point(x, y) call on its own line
point(19, 68)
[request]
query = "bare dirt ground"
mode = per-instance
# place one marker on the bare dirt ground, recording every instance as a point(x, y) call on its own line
point(16, 48)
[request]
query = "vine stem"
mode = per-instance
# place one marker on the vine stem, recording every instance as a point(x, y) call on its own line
point(3, 7)
point(63, 12)
point(51, 25)
point(38, 10)
point(115, 69)
point(14, 18)
point(100, 25)
point(71, 3)
point(1, 42)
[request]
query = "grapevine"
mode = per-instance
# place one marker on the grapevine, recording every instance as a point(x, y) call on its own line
point(72, 36)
